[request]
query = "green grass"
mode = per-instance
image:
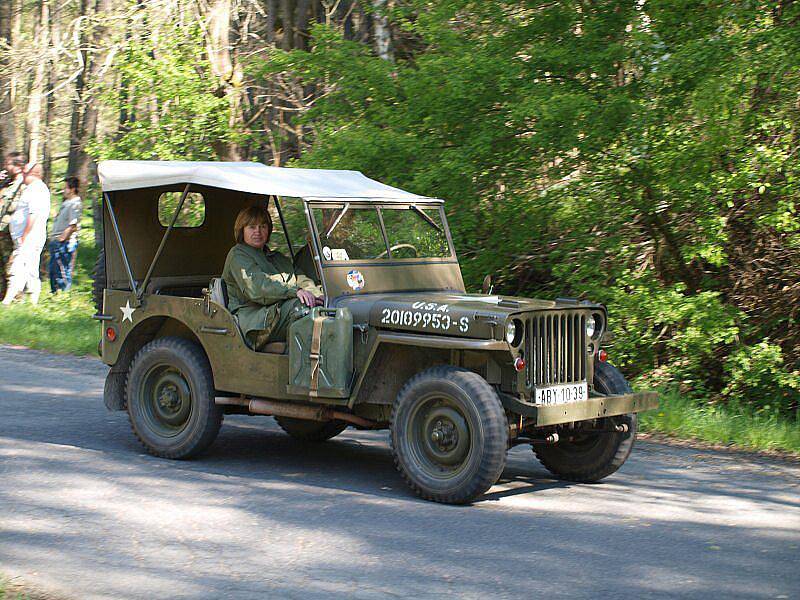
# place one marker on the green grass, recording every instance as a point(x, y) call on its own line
point(61, 323)
point(9, 594)
point(722, 424)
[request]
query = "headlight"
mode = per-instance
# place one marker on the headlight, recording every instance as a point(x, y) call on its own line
point(590, 326)
point(514, 332)
point(511, 332)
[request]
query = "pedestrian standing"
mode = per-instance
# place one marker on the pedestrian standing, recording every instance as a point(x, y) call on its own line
point(10, 189)
point(63, 241)
point(28, 227)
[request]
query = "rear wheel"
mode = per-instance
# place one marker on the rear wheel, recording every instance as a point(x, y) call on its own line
point(311, 431)
point(171, 398)
point(589, 457)
point(449, 434)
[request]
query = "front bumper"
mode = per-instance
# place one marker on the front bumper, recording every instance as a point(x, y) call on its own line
point(593, 408)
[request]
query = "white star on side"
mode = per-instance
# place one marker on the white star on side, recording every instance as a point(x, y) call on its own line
point(127, 311)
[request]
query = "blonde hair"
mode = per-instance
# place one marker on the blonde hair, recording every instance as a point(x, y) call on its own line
point(253, 215)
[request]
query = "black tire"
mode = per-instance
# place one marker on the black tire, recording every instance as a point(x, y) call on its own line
point(449, 435)
point(593, 456)
point(311, 431)
point(171, 399)
point(99, 280)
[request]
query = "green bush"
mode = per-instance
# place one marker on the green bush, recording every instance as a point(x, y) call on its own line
point(756, 375)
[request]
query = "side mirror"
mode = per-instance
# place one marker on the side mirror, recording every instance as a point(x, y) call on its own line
point(487, 286)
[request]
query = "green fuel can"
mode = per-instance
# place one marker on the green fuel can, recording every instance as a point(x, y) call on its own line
point(333, 362)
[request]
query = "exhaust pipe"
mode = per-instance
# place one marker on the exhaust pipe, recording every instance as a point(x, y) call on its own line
point(296, 411)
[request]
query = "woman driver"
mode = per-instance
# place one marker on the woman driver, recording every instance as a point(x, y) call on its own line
point(263, 290)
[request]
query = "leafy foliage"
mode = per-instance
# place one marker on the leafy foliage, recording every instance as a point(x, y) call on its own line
point(644, 155)
point(174, 109)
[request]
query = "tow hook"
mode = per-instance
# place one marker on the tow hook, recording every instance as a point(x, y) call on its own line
point(623, 428)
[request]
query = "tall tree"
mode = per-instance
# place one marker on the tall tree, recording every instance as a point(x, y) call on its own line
point(223, 59)
point(85, 107)
point(36, 97)
point(8, 137)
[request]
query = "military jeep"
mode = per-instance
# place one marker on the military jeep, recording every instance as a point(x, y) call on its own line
point(458, 378)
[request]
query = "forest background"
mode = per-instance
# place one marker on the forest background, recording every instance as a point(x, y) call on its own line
point(643, 154)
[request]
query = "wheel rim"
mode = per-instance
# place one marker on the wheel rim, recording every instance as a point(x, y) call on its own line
point(166, 400)
point(440, 437)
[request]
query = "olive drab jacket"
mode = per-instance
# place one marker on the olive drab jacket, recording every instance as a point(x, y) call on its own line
point(258, 282)
point(8, 202)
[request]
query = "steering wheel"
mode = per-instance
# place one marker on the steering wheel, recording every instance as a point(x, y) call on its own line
point(399, 247)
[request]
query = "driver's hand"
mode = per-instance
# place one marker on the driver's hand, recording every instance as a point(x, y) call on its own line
point(319, 300)
point(307, 298)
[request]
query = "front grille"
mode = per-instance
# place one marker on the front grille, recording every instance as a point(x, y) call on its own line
point(555, 348)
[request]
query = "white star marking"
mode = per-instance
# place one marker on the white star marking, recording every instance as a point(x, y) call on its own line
point(127, 311)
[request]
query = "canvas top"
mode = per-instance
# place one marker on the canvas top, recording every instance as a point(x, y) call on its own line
point(249, 177)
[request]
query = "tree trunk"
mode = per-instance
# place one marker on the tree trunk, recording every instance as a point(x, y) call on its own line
point(36, 97)
point(224, 65)
point(85, 107)
point(50, 98)
point(76, 118)
point(383, 35)
point(8, 136)
point(80, 164)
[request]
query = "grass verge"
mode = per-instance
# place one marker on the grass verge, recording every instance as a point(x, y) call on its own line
point(11, 592)
point(59, 323)
point(722, 424)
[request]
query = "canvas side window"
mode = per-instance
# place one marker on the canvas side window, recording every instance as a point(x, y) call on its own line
point(193, 212)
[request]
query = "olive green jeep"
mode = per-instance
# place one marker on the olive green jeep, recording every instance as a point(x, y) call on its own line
point(457, 378)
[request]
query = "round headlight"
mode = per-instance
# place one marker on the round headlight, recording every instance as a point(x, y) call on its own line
point(511, 332)
point(590, 326)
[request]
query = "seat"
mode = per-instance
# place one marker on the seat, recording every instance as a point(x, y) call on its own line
point(219, 294)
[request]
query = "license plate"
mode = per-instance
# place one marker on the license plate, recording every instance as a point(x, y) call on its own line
point(563, 393)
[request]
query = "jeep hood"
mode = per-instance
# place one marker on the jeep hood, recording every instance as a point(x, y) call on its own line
point(446, 313)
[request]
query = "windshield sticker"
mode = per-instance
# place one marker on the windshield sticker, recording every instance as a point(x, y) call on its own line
point(426, 318)
point(355, 280)
point(326, 252)
point(339, 254)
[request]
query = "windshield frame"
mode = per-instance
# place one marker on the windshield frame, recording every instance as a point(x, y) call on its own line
point(379, 207)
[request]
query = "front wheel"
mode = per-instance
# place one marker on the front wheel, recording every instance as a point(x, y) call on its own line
point(171, 398)
point(449, 434)
point(590, 457)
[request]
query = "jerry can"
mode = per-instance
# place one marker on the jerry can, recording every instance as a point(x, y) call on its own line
point(321, 353)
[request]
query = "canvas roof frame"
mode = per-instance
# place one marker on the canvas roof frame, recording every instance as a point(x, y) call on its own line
point(139, 290)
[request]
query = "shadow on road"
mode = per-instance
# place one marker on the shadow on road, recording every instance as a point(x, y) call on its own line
point(261, 512)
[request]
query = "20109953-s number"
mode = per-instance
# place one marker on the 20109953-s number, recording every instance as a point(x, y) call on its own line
point(423, 318)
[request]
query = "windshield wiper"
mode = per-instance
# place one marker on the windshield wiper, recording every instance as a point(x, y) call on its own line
point(427, 219)
point(336, 221)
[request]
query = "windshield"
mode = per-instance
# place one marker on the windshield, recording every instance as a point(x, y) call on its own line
point(349, 232)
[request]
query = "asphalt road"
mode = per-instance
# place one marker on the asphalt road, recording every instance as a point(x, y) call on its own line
point(85, 513)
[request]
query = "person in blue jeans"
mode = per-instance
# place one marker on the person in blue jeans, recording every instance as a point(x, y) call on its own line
point(63, 241)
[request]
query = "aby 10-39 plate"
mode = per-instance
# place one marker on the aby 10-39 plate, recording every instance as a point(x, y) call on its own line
point(563, 393)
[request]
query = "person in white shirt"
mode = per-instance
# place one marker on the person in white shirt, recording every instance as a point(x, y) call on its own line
point(28, 228)
point(63, 241)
